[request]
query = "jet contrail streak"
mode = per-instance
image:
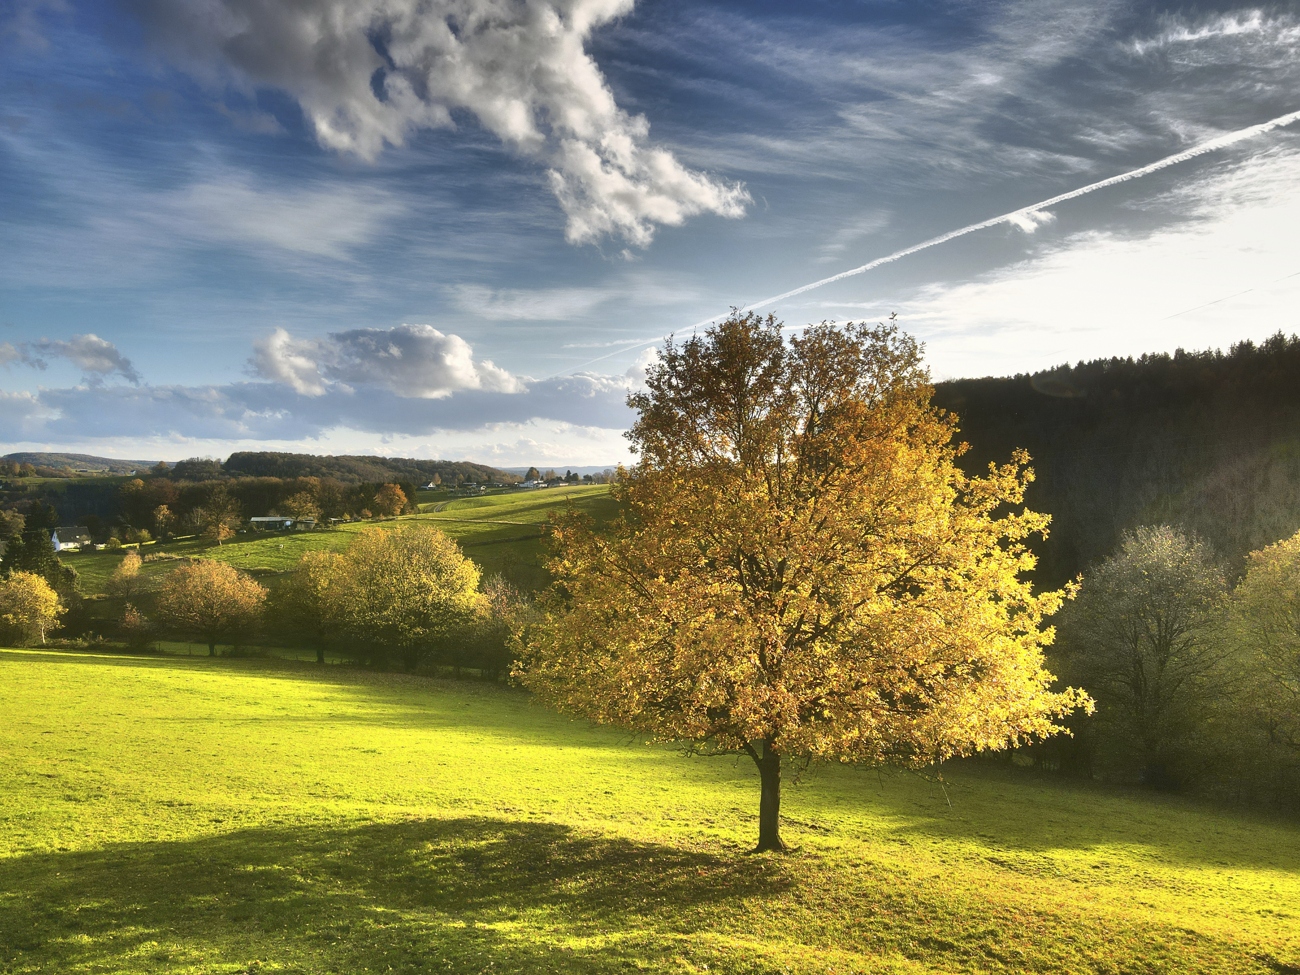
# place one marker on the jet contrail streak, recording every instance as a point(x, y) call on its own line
point(1023, 215)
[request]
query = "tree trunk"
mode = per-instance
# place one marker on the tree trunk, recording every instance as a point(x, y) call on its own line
point(212, 648)
point(320, 654)
point(769, 806)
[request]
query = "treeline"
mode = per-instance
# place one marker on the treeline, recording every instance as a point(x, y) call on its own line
point(352, 469)
point(404, 596)
point(1196, 677)
point(1209, 441)
point(157, 507)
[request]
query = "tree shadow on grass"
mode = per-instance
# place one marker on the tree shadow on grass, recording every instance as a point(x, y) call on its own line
point(465, 895)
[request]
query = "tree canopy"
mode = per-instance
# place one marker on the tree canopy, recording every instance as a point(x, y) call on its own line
point(1265, 619)
point(801, 569)
point(29, 607)
point(1143, 638)
point(211, 600)
point(405, 589)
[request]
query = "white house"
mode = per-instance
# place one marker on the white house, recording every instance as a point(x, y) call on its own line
point(70, 539)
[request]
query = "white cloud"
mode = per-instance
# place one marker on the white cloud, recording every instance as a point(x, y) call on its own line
point(369, 73)
point(284, 359)
point(95, 357)
point(408, 360)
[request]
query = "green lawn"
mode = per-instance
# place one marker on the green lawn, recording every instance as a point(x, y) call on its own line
point(177, 815)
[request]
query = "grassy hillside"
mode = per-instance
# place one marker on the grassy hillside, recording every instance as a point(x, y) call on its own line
point(172, 815)
point(503, 533)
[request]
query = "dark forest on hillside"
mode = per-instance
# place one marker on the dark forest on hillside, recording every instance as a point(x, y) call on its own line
point(1209, 441)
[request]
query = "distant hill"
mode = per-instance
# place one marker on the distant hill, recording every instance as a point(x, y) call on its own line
point(351, 468)
point(79, 463)
point(1206, 440)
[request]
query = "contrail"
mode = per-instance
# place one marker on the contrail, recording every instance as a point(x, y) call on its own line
point(1022, 217)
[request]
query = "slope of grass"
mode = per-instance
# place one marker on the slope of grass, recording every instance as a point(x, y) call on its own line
point(172, 815)
point(501, 532)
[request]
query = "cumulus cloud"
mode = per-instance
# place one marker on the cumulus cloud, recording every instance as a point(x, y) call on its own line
point(411, 361)
point(369, 73)
point(97, 358)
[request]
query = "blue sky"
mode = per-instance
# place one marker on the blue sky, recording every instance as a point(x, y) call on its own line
point(449, 227)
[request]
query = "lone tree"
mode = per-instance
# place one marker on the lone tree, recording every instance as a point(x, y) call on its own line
point(29, 607)
point(211, 600)
point(801, 571)
point(126, 580)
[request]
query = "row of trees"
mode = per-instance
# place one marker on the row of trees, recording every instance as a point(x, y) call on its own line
point(1197, 682)
point(401, 596)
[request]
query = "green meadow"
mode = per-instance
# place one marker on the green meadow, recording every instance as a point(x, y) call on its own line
point(163, 814)
point(502, 532)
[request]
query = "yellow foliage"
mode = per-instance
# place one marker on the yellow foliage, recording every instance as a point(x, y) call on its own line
point(211, 600)
point(28, 605)
point(801, 568)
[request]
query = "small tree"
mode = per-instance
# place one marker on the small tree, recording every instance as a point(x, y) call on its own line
point(301, 505)
point(308, 601)
point(1265, 619)
point(219, 516)
point(211, 600)
point(29, 607)
point(801, 570)
point(137, 630)
point(126, 580)
point(1142, 638)
point(163, 520)
point(407, 589)
point(390, 501)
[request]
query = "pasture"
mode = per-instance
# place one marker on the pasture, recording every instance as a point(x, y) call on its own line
point(178, 815)
point(502, 533)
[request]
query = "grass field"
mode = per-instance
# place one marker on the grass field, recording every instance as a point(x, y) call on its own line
point(503, 533)
point(174, 815)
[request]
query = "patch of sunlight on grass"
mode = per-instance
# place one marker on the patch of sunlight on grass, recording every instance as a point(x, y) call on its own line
point(196, 815)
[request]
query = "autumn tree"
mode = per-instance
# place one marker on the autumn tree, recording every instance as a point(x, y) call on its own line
point(407, 590)
point(29, 607)
point(390, 500)
point(211, 600)
point(801, 570)
point(163, 519)
point(308, 602)
point(1143, 638)
point(1265, 623)
point(219, 516)
point(126, 580)
point(301, 505)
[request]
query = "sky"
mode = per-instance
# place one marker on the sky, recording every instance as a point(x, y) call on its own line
point(459, 228)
